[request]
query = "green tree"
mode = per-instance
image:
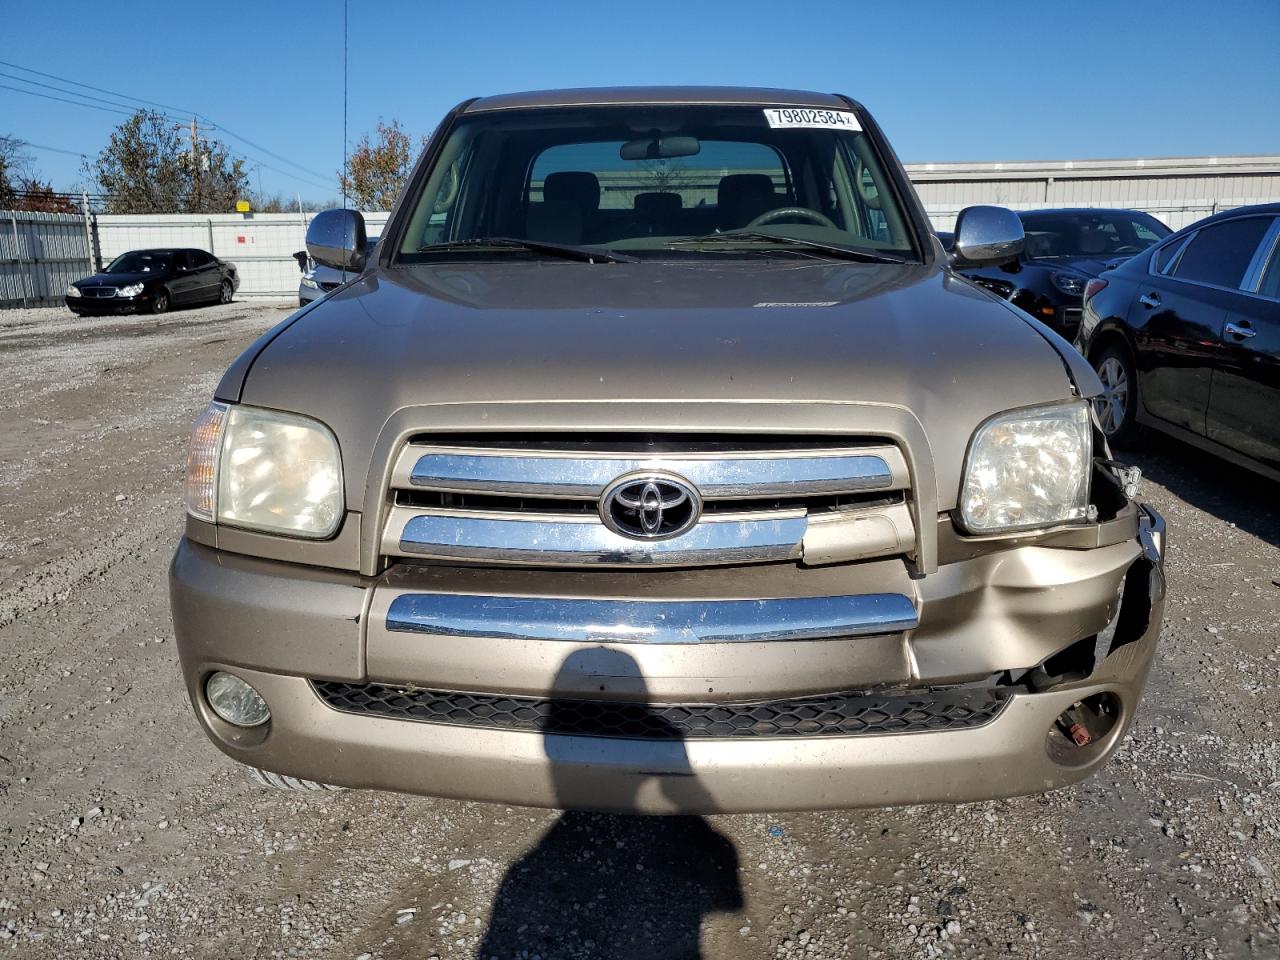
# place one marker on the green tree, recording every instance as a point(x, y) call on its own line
point(378, 167)
point(152, 165)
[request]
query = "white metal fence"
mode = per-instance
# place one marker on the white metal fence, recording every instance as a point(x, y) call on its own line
point(40, 253)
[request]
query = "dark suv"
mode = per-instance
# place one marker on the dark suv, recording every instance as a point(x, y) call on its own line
point(1064, 250)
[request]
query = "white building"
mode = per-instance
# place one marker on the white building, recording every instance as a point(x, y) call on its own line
point(1176, 190)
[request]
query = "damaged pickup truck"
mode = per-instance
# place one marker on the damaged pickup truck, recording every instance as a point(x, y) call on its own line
point(659, 461)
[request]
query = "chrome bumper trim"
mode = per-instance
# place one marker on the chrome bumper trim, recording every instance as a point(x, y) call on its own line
point(651, 622)
point(550, 475)
point(584, 540)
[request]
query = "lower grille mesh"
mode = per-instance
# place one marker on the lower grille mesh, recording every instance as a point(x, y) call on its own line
point(833, 715)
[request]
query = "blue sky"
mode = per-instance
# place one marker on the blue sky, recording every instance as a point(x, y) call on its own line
point(957, 81)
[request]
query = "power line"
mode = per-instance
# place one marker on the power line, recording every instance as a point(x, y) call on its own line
point(181, 110)
point(89, 86)
point(48, 86)
point(40, 146)
point(76, 103)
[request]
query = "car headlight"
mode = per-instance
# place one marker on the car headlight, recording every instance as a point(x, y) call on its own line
point(310, 282)
point(132, 290)
point(1072, 284)
point(1028, 468)
point(264, 470)
point(74, 291)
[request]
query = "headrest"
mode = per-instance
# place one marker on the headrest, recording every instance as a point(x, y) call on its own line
point(1092, 241)
point(572, 186)
point(737, 186)
point(657, 205)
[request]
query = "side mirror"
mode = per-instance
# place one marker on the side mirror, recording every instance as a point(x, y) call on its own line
point(985, 236)
point(336, 238)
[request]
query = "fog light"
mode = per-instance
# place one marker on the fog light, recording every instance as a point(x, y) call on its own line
point(235, 701)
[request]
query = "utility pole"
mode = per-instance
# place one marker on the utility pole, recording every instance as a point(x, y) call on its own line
point(195, 159)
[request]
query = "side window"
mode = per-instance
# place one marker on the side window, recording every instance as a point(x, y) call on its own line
point(1165, 255)
point(1220, 254)
point(1270, 286)
point(181, 261)
point(200, 259)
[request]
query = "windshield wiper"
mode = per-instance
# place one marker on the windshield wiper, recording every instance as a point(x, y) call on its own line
point(566, 250)
point(835, 249)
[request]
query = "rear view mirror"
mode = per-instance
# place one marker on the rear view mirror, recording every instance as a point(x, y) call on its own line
point(336, 238)
point(660, 148)
point(986, 236)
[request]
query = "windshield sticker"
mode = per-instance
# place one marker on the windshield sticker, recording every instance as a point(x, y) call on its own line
point(792, 117)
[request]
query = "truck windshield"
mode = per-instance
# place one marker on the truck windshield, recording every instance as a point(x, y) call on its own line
point(657, 181)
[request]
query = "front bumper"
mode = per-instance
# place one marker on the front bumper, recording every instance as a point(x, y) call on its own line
point(280, 626)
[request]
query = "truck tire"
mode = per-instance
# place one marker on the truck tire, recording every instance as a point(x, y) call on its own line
point(265, 778)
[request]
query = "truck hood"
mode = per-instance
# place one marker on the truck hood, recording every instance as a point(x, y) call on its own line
point(538, 333)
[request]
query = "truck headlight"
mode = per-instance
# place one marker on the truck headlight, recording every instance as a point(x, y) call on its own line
point(74, 291)
point(264, 470)
point(1028, 468)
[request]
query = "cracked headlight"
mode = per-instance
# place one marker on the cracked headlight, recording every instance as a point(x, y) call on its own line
point(265, 470)
point(1028, 468)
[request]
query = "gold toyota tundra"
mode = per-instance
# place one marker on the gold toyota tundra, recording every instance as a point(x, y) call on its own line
point(658, 460)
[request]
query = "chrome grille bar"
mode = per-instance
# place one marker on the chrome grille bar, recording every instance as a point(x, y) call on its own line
point(651, 622)
point(717, 478)
point(580, 540)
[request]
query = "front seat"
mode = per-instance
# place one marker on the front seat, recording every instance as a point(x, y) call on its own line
point(570, 199)
point(741, 197)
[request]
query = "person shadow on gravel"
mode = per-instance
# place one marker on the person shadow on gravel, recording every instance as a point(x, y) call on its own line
point(610, 886)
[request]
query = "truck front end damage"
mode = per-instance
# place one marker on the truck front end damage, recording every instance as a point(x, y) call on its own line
point(820, 636)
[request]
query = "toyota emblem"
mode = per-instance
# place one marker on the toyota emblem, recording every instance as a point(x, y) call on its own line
point(650, 506)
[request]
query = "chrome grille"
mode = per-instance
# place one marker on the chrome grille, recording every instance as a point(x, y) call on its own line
point(546, 502)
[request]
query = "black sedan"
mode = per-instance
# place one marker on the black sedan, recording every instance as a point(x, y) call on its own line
point(1064, 250)
point(1186, 339)
point(153, 281)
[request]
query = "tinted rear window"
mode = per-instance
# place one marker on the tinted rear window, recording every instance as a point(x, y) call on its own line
point(1220, 254)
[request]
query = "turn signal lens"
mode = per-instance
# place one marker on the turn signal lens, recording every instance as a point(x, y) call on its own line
point(202, 462)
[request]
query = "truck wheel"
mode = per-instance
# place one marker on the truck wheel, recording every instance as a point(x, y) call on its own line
point(1119, 399)
point(265, 778)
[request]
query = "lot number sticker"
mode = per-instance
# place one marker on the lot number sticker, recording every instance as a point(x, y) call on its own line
point(792, 117)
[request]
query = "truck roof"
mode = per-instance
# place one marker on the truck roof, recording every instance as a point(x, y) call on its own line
point(613, 96)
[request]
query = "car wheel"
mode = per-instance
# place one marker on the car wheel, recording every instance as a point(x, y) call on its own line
point(225, 292)
point(1119, 398)
point(160, 302)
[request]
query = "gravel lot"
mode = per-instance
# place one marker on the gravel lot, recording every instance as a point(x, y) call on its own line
point(124, 833)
